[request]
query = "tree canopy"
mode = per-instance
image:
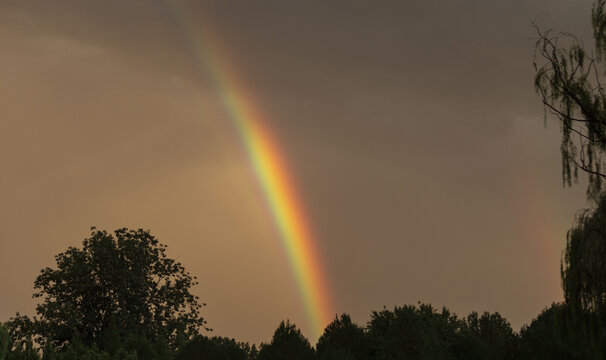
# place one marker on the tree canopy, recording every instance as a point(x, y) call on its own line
point(584, 265)
point(287, 344)
point(120, 282)
point(215, 348)
point(342, 339)
point(411, 332)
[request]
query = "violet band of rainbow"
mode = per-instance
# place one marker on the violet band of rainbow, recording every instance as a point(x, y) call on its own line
point(270, 167)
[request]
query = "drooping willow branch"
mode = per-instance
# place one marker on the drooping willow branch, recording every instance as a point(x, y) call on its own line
point(568, 80)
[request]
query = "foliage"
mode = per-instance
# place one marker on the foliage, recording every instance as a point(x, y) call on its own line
point(412, 332)
point(119, 343)
point(76, 350)
point(5, 341)
point(101, 301)
point(129, 347)
point(23, 350)
point(121, 281)
point(342, 339)
point(287, 344)
point(20, 341)
point(488, 336)
point(216, 348)
point(583, 265)
point(569, 81)
point(561, 332)
point(549, 336)
point(20, 329)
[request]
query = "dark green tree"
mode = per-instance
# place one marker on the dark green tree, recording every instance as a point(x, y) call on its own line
point(21, 342)
point(23, 350)
point(411, 332)
point(76, 350)
point(5, 341)
point(122, 281)
point(488, 336)
point(569, 81)
point(584, 281)
point(342, 339)
point(216, 348)
point(127, 347)
point(287, 344)
point(584, 265)
point(551, 337)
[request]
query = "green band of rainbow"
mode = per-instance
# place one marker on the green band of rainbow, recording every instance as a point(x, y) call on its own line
point(272, 172)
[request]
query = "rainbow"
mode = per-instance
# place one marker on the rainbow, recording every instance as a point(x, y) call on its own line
point(271, 169)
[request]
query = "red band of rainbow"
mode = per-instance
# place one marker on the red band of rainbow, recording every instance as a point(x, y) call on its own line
point(272, 172)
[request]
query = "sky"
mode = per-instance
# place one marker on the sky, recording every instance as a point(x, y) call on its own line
point(411, 129)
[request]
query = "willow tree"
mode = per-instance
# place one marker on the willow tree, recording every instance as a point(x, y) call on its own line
point(584, 265)
point(569, 79)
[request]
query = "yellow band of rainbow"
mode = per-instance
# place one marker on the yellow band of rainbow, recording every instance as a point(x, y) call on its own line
point(271, 169)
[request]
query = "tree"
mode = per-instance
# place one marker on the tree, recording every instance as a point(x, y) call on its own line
point(23, 351)
point(551, 337)
point(342, 339)
point(76, 350)
point(5, 341)
point(569, 81)
point(121, 282)
point(584, 280)
point(411, 332)
point(488, 336)
point(21, 346)
point(216, 348)
point(583, 265)
point(287, 344)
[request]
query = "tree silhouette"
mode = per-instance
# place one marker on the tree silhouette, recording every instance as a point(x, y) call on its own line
point(342, 339)
point(20, 344)
point(5, 341)
point(551, 337)
point(584, 281)
point(216, 348)
point(411, 332)
point(23, 350)
point(488, 336)
point(287, 344)
point(584, 265)
point(121, 282)
point(569, 81)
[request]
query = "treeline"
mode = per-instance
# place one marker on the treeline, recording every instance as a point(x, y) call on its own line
point(408, 332)
point(120, 297)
